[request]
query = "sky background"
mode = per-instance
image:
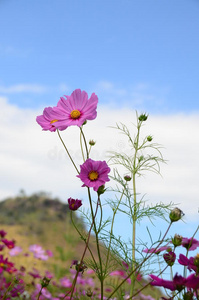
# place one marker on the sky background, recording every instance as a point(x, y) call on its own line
point(135, 55)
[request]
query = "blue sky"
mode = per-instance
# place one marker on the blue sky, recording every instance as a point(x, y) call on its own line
point(146, 49)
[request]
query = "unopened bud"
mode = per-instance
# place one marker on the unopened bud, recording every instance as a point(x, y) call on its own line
point(45, 282)
point(149, 138)
point(101, 190)
point(177, 240)
point(127, 178)
point(169, 258)
point(188, 296)
point(89, 292)
point(196, 260)
point(142, 117)
point(92, 143)
point(175, 215)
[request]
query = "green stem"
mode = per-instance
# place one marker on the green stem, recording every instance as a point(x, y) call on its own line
point(134, 216)
point(82, 146)
point(139, 267)
point(185, 268)
point(8, 289)
point(87, 152)
point(67, 151)
point(101, 277)
point(83, 239)
point(111, 232)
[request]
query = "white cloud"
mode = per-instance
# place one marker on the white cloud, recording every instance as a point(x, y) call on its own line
point(21, 88)
point(140, 95)
point(35, 160)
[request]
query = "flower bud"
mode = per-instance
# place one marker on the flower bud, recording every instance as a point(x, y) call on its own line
point(127, 178)
point(175, 215)
point(177, 240)
point(74, 204)
point(188, 296)
point(196, 260)
point(45, 282)
point(101, 190)
point(142, 117)
point(141, 158)
point(92, 143)
point(149, 138)
point(89, 292)
point(169, 258)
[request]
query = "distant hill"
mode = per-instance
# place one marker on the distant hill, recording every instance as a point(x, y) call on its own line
point(39, 206)
point(40, 219)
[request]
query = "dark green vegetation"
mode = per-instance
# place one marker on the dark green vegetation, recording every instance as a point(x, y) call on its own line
point(26, 209)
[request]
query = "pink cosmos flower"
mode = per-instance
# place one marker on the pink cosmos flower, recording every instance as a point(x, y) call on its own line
point(156, 251)
point(35, 273)
point(50, 116)
point(192, 282)
point(5, 265)
point(74, 204)
point(94, 173)
point(2, 233)
point(177, 283)
point(189, 262)
point(15, 251)
point(190, 244)
point(76, 109)
point(65, 282)
point(9, 244)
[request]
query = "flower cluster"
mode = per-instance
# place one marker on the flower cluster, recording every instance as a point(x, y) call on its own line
point(189, 285)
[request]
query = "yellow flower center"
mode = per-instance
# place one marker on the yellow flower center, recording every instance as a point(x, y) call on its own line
point(197, 256)
point(53, 121)
point(1, 264)
point(75, 114)
point(93, 175)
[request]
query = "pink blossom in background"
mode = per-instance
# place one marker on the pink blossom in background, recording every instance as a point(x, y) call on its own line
point(156, 251)
point(2, 233)
point(76, 109)
point(35, 273)
point(15, 251)
point(65, 282)
point(177, 283)
point(190, 244)
point(189, 262)
point(49, 253)
point(192, 282)
point(8, 244)
point(38, 252)
point(94, 173)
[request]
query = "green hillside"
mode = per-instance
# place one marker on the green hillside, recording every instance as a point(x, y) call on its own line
point(39, 219)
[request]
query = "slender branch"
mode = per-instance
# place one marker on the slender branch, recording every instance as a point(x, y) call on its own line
point(87, 152)
point(82, 146)
point(111, 232)
point(67, 151)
